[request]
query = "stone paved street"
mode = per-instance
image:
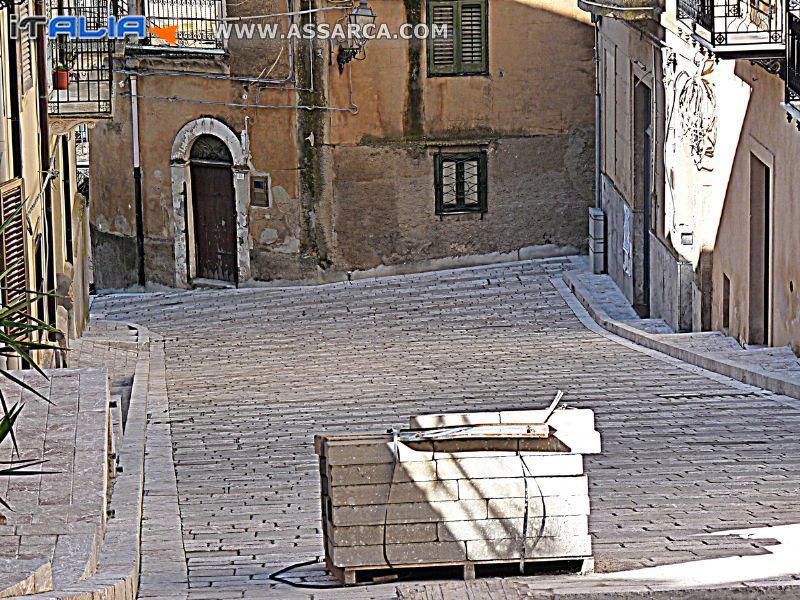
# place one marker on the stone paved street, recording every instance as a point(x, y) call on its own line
point(252, 374)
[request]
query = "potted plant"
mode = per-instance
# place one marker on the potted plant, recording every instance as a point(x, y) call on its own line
point(61, 75)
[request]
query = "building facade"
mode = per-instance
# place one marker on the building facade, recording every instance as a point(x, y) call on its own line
point(45, 244)
point(697, 143)
point(289, 158)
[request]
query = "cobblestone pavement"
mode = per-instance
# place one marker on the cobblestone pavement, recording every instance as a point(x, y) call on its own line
point(252, 374)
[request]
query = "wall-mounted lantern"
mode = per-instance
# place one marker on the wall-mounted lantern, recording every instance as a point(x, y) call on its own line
point(353, 47)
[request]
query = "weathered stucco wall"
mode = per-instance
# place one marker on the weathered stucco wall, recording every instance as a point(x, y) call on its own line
point(767, 133)
point(533, 111)
point(383, 203)
point(271, 134)
point(702, 206)
point(359, 192)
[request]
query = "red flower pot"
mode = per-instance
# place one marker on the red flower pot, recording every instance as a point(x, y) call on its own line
point(60, 80)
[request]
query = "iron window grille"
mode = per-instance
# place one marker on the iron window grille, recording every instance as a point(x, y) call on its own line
point(792, 67)
point(87, 61)
point(753, 27)
point(464, 50)
point(198, 23)
point(460, 181)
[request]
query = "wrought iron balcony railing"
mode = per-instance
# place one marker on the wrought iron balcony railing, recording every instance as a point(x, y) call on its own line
point(736, 28)
point(81, 68)
point(792, 69)
point(195, 23)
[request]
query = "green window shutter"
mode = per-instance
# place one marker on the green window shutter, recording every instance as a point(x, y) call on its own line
point(473, 37)
point(463, 50)
point(442, 55)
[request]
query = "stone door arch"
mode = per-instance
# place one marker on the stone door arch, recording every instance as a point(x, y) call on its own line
point(182, 198)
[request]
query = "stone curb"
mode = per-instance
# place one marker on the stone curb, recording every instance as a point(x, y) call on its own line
point(749, 374)
point(117, 573)
point(426, 266)
point(751, 592)
point(40, 577)
point(511, 590)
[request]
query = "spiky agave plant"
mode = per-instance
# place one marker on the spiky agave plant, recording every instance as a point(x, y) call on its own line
point(20, 336)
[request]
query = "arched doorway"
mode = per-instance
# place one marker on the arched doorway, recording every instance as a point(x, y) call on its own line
point(213, 209)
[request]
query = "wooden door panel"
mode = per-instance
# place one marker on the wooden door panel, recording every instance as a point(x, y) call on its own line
point(214, 222)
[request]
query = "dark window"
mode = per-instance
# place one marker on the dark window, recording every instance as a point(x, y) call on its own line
point(210, 149)
point(726, 301)
point(66, 192)
point(460, 183)
point(464, 49)
point(14, 108)
point(259, 195)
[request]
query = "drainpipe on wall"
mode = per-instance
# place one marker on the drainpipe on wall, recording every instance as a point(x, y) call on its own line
point(598, 253)
point(597, 114)
point(45, 159)
point(137, 180)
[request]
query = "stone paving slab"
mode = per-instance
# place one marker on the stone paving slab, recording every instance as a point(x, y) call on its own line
point(58, 518)
point(252, 374)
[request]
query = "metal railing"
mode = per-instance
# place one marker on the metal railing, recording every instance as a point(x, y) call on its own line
point(792, 68)
point(197, 23)
point(756, 24)
point(87, 62)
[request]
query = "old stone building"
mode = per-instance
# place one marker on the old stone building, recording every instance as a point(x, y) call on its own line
point(45, 244)
point(281, 158)
point(697, 148)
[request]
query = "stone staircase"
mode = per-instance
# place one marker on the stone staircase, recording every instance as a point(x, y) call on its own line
point(54, 538)
point(53, 534)
point(777, 369)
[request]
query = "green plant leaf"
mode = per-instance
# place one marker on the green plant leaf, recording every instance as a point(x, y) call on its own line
point(24, 385)
point(7, 422)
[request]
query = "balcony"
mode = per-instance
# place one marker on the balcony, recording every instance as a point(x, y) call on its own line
point(750, 29)
point(194, 24)
point(82, 92)
point(625, 10)
point(792, 69)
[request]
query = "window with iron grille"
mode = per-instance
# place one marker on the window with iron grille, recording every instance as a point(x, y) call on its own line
point(12, 244)
point(464, 49)
point(197, 22)
point(460, 181)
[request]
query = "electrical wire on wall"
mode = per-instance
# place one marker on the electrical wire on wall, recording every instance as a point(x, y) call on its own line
point(262, 81)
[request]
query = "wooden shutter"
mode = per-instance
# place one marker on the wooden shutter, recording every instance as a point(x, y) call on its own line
point(12, 243)
point(443, 57)
point(473, 37)
point(25, 50)
point(463, 51)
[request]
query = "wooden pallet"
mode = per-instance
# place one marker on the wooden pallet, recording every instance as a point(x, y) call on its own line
point(468, 569)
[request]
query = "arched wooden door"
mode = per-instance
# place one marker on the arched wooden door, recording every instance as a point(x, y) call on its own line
point(213, 209)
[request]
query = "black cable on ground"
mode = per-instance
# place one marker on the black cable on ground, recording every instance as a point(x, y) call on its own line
point(526, 472)
point(276, 576)
point(395, 458)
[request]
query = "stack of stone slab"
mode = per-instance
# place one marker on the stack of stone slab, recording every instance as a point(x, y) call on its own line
point(387, 504)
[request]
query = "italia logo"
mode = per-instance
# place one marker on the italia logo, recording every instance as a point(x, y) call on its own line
point(118, 28)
